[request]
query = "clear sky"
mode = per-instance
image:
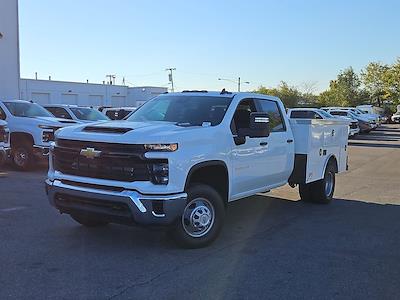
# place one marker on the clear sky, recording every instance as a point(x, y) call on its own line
point(262, 41)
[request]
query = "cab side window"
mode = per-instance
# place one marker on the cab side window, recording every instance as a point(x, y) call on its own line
point(241, 118)
point(304, 114)
point(2, 114)
point(276, 121)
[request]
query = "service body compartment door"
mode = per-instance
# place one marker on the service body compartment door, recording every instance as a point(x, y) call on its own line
point(319, 140)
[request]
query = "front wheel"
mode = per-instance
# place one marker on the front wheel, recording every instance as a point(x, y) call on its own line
point(22, 156)
point(202, 218)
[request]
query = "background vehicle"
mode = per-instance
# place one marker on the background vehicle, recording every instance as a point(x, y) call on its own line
point(31, 128)
point(315, 113)
point(395, 117)
point(118, 113)
point(370, 109)
point(364, 124)
point(372, 119)
point(4, 141)
point(77, 113)
point(184, 156)
point(308, 113)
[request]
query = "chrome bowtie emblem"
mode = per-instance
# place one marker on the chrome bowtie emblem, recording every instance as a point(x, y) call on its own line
point(90, 153)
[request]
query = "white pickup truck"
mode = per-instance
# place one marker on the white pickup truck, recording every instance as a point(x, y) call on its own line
point(180, 158)
point(4, 141)
point(31, 129)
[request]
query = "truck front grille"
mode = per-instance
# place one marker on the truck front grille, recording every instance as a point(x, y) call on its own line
point(119, 162)
point(353, 125)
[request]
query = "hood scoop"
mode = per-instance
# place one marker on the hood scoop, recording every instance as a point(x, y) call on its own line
point(67, 122)
point(101, 129)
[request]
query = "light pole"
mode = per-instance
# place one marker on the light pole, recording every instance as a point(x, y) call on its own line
point(238, 82)
point(170, 77)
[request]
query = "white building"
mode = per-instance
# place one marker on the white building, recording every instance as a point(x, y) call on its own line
point(86, 94)
point(9, 50)
point(47, 91)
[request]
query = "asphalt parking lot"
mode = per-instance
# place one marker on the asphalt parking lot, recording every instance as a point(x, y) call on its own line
point(272, 246)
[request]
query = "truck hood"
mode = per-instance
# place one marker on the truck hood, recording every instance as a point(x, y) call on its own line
point(129, 132)
point(54, 121)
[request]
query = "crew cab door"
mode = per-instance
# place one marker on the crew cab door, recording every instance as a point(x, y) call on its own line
point(248, 154)
point(260, 163)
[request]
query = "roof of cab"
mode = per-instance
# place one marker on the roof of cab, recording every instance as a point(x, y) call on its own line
point(15, 100)
point(225, 94)
point(304, 108)
point(62, 105)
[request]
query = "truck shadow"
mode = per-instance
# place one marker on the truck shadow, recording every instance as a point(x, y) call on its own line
point(260, 217)
point(40, 167)
point(264, 239)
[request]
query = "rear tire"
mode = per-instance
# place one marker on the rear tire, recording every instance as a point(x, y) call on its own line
point(320, 191)
point(22, 156)
point(202, 218)
point(88, 221)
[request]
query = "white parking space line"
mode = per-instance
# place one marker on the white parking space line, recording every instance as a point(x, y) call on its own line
point(12, 208)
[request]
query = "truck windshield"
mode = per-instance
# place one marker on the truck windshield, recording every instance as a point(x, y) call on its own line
point(27, 109)
point(183, 110)
point(339, 113)
point(325, 114)
point(88, 114)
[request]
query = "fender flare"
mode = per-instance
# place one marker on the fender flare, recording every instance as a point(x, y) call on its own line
point(204, 164)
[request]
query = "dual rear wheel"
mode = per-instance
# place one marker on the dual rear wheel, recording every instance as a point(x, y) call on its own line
point(320, 191)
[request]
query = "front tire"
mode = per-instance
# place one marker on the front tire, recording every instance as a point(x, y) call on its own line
point(202, 218)
point(320, 191)
point(22, 156)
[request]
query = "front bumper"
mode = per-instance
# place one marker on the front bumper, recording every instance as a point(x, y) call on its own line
point(353, 132)
point(41, 151)
point(115, 206)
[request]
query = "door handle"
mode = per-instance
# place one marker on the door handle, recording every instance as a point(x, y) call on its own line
point(263, 143)
point(289, 141)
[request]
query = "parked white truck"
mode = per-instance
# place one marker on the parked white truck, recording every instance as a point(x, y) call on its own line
point(31, 130)
point(180, 158)
point(4, 141)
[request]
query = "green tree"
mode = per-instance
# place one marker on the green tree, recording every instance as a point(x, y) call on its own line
point(375, 78)
point(288, 94)
point(393, 82)
point(345, 90)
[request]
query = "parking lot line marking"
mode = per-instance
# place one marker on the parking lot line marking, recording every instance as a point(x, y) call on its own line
point(12, 208)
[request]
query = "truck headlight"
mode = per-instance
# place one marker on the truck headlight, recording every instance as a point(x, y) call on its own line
point(160, 173)
point(4, 134)
point(161, 147)
point(47, 136)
